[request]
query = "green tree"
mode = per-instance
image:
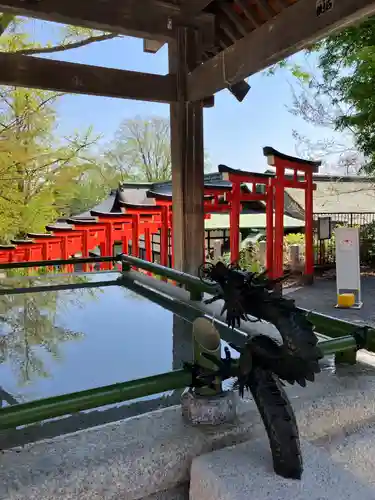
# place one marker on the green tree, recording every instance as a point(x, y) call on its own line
point(347, 62)
point(39, 170)
point(338, 94)
point(336, 149)
point(141, 150)
point(91, 187)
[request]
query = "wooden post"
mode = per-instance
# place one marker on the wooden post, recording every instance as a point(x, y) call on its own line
point(187, 157)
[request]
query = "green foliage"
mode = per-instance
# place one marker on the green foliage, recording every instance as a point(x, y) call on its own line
point(5, 21)
point(249, 258)
point(28, 326)
point(367, 248)
point(141, 150)
point(42, 175)
point(339, 95)
point(347, 62)
point(294, 239)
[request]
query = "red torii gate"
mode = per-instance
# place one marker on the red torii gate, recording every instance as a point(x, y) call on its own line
point(104, 228)
point(274, 198)
point(150, 219)
point(236, 196)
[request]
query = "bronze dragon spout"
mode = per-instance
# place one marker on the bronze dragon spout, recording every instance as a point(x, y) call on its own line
point(264, 363)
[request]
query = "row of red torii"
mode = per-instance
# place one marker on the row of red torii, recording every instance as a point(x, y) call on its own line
point(142, 221)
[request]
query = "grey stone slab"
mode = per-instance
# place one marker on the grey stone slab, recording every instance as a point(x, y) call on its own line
point(355, 451)
point(245, 472)
point(179, 493)
point(152, 453)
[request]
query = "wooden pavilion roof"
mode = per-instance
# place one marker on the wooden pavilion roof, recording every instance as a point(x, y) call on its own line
point(237, 38)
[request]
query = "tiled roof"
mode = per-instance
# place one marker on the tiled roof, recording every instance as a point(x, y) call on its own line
point(339, 194)
point(254, 221)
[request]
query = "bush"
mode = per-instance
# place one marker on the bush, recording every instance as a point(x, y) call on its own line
point(294, 239)
point(367, 247)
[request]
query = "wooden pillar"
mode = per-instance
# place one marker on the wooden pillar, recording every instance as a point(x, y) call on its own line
point(187, 157)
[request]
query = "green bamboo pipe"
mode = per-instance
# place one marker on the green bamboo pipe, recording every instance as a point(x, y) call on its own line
point(42, 409)
point(324, 324)
point(58, 287)
point(340, 344)
point(56, 262)
point(167, 272)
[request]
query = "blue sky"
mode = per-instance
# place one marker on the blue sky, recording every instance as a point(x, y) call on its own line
point(235, 133)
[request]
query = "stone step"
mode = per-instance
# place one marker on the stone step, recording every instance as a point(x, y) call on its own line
point(245, 472)
point(355, 452)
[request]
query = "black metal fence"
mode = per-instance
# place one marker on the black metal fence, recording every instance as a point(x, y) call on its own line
point(325, 250)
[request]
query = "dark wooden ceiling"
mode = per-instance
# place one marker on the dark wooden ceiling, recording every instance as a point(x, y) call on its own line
point(237, 38)
point(221, 22)
point(231, 19)
point(234, 19)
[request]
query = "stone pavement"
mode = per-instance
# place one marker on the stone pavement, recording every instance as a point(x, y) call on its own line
point(321, 297)
point(146, 456)
point(244, 472)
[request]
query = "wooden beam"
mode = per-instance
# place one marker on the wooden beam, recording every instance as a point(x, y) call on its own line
point(187, 159)
point(235, 18)
point(299, 25)
point(140, 18)
point(248, 13)
point(152, 46)
point(27, 71)
point(265, 7)
point(191, 8)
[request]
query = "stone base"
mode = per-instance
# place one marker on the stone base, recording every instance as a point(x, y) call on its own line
point(245, 472)
point(209, 410)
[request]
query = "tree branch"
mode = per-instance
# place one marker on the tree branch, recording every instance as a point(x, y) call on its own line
point(68, 46)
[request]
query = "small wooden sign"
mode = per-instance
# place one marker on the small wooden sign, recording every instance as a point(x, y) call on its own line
point(323, 6)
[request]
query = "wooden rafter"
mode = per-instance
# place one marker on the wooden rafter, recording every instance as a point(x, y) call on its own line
point(27, 71)
point(140, 18)
point(248, 13)
point(265, 7)
point(289, 32)
point(152, 46)
point(191, 8)
point(235, 18)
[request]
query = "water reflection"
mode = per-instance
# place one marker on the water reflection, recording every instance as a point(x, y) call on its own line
point(60, 342)
point(29, 330)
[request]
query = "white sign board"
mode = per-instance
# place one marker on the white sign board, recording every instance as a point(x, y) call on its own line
point(348, 275)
